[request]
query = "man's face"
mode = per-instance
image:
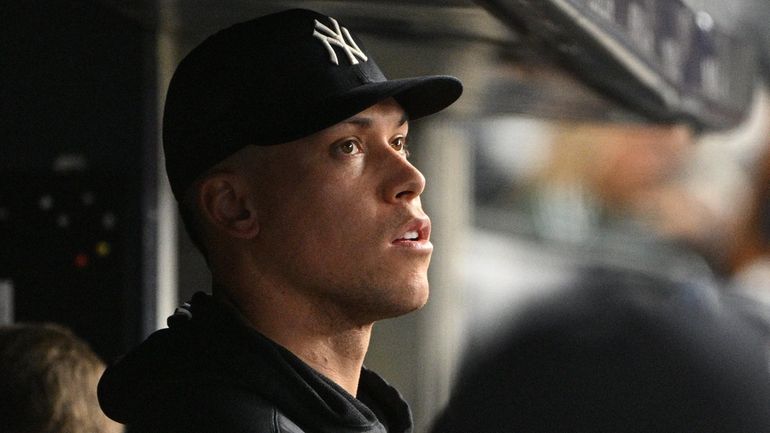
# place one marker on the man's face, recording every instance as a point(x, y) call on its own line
point(340, 217)
point(633, 160)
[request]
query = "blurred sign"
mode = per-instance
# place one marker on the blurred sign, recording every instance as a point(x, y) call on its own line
point(657, 56)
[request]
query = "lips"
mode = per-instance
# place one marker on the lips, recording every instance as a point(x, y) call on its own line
point(415, 231)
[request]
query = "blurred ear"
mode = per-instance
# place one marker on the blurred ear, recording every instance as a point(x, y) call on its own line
point(226, 204)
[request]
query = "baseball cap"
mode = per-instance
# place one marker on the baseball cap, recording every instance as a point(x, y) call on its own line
point(275, 79)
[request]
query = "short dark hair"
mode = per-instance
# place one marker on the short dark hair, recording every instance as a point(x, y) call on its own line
point(48, 377)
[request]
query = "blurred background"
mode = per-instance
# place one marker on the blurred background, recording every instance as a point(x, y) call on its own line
point(634, 134)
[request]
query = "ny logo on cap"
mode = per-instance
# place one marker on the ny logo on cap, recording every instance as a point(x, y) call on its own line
point(341, 38)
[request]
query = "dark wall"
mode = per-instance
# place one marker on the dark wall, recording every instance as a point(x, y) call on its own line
point(76, 85)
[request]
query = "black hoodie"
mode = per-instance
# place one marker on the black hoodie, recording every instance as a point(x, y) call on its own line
point(210, 372)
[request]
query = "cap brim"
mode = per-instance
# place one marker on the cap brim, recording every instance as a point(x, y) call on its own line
point(418, 96)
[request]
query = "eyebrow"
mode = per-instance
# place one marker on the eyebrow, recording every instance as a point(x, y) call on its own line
point(365, 122)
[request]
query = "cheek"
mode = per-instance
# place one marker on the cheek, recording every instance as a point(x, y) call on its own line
point(342, 224)
point(345, 199)
point(326, 211)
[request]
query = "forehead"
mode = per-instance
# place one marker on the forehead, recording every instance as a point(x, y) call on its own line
point(387, 113)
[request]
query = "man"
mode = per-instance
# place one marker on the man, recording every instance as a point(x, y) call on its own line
point(48, 382)
point(286, 149)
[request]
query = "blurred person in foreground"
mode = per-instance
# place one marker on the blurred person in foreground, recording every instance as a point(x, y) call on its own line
point(286, 149)
point(48, 380)
point(610, 356)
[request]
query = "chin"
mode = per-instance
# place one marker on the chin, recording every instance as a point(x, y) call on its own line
point(421, 297)
point(393, 302)
point(414, 299)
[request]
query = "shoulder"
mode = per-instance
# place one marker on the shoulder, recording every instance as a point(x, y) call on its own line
point(215, 408)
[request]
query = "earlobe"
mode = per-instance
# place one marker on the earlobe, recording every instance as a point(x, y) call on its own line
point(227, 205)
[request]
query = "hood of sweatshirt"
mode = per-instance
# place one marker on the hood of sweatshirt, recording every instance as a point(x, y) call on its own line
point(208, 343)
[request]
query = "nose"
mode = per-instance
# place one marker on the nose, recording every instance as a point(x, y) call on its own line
point(404, 182)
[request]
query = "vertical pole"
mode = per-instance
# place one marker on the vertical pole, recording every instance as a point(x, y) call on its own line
point(6, 302)
point(447, 165)
point(160, 244)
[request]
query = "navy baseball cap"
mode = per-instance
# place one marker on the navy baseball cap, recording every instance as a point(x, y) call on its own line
point(275, 79)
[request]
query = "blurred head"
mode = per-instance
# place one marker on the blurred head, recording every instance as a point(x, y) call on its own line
point(619, 352)
point(48, 379)
point(619, 162)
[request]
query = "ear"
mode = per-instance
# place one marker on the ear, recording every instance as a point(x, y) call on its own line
point(227, 204)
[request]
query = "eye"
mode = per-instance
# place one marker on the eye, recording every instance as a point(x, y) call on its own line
point(348, 147)
point(399, 144)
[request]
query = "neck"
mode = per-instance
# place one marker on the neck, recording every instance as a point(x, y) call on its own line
point(309, 328)
point(338, 356)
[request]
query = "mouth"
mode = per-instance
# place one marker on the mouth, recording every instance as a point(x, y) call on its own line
point(415, 234)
